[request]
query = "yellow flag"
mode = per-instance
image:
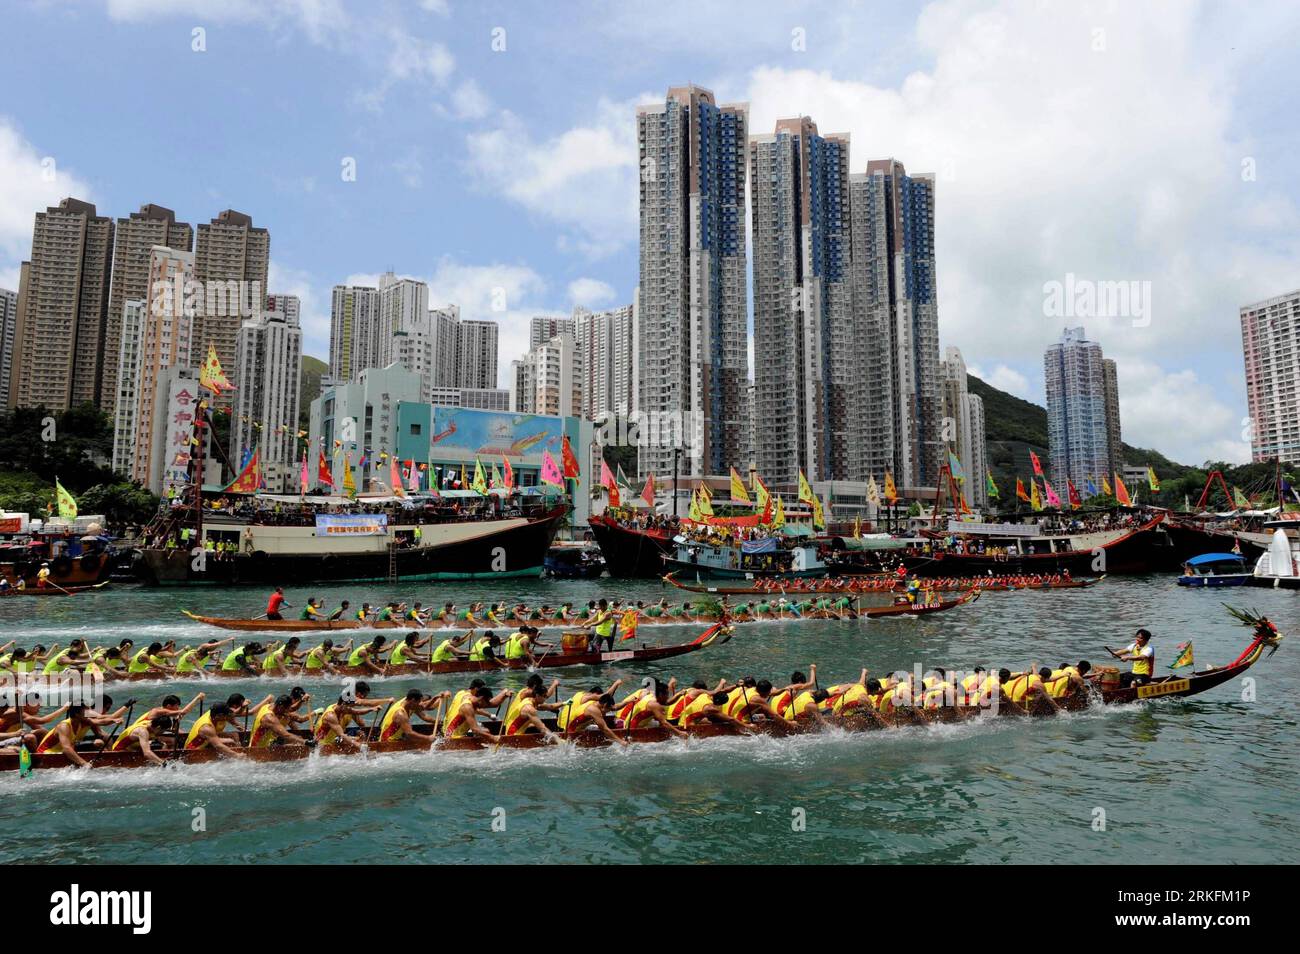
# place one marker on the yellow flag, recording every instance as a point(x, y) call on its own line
point(706, 505)
point(480, 478)
point(1035, 498)
point(857, 527)
point(211, 376)
point(761, 496)
point(67, 503)
point(873, 491)
point(891, 492)
point(1105, 487)
point(705, 492)
point(779, 519)
point(738, 491)
point(819, 518)
point(349, 482)
point(693, 514)
point(805, 492)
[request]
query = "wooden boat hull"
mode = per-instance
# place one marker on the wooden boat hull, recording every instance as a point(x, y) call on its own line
point(1165, 687)
point(909, 609)
point(630, 552)
point(84, 570)
point(55, 590)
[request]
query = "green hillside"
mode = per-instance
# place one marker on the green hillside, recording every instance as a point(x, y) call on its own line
point(309, 387)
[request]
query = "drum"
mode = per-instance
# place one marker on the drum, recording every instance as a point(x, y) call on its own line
point(574, 641)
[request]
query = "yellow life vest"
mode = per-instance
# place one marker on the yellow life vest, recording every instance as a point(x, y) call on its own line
point(356, 658)
point(457, 725)
point(273, 659)
point(192, 740)
point(476, 654)
point(121, 741)
point(573, 713)
point(56, 664)
point(1142, 664)
point(316, 658)
point(388, 731)
point(516, 723)
point(804, 703)
point(641, 714)
point(398, 657)
point(781, 701)
point(443, 653)
point(624, 710)
point(230, 663)
point(138, 663)
point(51, 739)
point(854, 697)
point(262, 735)
point(189, 661)
point(694, 711)
point(1018, 689)
point(515, 647)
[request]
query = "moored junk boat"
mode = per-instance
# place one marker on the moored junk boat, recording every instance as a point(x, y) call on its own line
point(384, 538)
point(883, 583)
point(978, 549)
point(74, 557)
point(633, 547)
point(1107, 690)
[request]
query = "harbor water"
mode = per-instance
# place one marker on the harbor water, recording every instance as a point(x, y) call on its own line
point(1209, 779)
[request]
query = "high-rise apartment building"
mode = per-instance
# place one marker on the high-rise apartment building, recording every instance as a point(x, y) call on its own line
point(806, 381)
point(231, 259)
point(63, 294)
point(962, 427)
point(1270, 342)
point(8, 327)
point(167, 341)
point(1114, 445)
point(1078, 430)
point(476, 354)
point(268, 353)
point(606, 363)
point(545, 327)
point(130, 333)
point(543, 380)
point(136, 235)
point(692, 308)
point(354, 309)
point(403, 306)
point(896, 323)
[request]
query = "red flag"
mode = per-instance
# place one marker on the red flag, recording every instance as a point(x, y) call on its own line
point(324, 476)
point(1075, 500)
point(1121, 493)
point(1038, 466)
point(648, 491)
point(249, 480)
point(1021, 493)
point(570, 462)
point(509, 474)
point(607, 481)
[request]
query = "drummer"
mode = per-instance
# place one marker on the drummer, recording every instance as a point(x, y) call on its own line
point(1143, 657)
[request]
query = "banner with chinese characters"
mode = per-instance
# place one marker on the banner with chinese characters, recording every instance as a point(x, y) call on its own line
point(351, 524)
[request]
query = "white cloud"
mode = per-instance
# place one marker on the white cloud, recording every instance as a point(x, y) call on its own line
point(313, 308)
point(1177, 414)
point(584, 179)
point(29, 183)
point(320, 20)
point(590, 292)
point(1008, 379)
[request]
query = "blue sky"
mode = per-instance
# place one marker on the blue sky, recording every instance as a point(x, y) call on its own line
point(1086, 139)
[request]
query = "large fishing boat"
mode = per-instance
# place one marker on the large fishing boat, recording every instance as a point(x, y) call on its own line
point(375, 540)
point(75, 559)
point(748, 559)
point(632, 550)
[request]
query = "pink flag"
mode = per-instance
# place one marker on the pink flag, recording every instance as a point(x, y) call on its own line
point(551, 471)
point(1052, 499)
point(303, 479)
point(413, 476)
point(395, 478)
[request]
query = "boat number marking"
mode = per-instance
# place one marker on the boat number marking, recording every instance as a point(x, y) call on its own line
point(615, 657)
point(1163, 689)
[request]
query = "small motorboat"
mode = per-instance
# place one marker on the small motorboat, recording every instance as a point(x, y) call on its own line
point(1215, 569)
point(574, 563)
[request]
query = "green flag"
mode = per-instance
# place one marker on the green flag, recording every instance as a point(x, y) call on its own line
point(67, 503)
point(993, 488)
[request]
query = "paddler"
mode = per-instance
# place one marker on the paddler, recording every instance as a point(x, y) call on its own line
point(72, 729)
point(783, 698)
point(465, 706)
point(708, 707)
point(197, 658)
point(520, 646)
point(74, 656)
point(243, 658)
point(522, 714)
point(280, 660)
point(208, 730)
point(485, 649)
point(449, 650)
point(369, 656)
point(149, 659)
point(324, 657)
point(650, 709)
point(268, 725)
point(1025, 688)
point(141, 735)
point(275, 603)
point(43, 576)
point(331, 723)
point(1068, 680)
point(340, 613)
point(1142, 655)
point(404, 653)
point(313, 610)
point(585, 709)
point(416, 616)
point(396, 724)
